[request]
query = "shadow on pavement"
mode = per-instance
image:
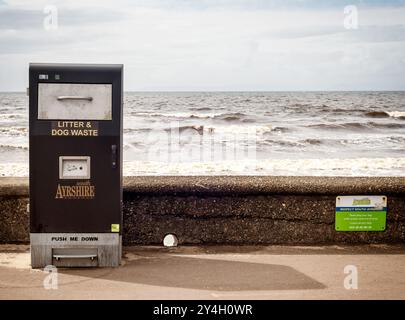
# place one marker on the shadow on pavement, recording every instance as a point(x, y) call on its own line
point(205, 274)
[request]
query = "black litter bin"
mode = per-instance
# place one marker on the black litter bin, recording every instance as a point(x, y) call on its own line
point(75, 157)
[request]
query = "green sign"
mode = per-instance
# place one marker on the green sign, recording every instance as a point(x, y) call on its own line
point(361, 213)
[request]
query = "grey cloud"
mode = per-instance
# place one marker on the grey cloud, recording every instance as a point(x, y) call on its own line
point(373, 34)
point(19, 19)
point(305, 32)
point(265, 4)
point(370, 33)
point(40, 40)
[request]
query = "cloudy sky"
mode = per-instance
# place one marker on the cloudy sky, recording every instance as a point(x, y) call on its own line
point(211, 45)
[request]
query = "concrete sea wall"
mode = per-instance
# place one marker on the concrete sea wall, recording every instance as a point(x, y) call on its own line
point(229, 210)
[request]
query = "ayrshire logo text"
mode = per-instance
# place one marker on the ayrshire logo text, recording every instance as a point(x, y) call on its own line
point(82, 190)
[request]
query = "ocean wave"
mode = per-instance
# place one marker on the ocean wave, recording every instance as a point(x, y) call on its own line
point(390, 141)
point(200, 109)
point(377, 114)
point(334, 126)
point(397, 114)
point(312, 141)
point(14, 131)
point(227, 116)
point(177, 115)
point(132, 130)
point(282, 143)
point(232, 116)
point(345, 110)
point(9, 147)
point(245, 129)
point(387, 125)
point(355, 126)
point(386, 114)
point(229, 129)
point(300, 105)
point(199, 129)
point(308, 108)
point(221, 129)
point(293, 143)
point(396, 139)
point(6, 116)
point(289, 167)
point(133, 144)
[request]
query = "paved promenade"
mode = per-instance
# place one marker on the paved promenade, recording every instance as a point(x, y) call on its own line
point(249, 272)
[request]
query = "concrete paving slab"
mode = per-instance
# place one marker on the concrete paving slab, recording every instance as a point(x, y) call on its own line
point(216, 272)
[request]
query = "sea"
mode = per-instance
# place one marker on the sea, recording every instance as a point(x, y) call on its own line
point(242, 133)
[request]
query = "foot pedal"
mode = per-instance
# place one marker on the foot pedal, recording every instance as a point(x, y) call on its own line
point(75, 257)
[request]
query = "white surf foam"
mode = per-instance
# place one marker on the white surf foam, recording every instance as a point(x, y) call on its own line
point(397, 114)
point(272, 167)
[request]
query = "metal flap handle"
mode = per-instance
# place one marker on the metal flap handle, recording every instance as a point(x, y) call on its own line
point(74, 256)
point(61, 98)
